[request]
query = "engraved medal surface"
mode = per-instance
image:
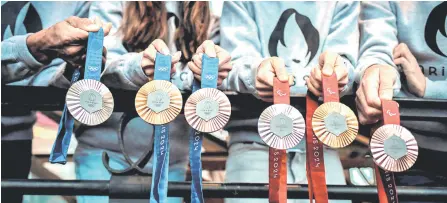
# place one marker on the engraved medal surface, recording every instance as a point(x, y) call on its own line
point(158, 102)
point(90, 102)
point(394, 148)
point(335, 124)
point(207, 110)
point(281, 126)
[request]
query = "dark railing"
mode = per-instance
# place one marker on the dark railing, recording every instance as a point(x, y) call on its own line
point(133, 184)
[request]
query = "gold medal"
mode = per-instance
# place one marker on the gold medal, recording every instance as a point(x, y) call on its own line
point(281, 126)
point(90, 102)
point(394, 148)
point(158, 102)
point(335, 124)
point(207, 110)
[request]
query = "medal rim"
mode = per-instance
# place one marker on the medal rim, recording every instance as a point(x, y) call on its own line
point(73, 102)
point(328, 138)
point(214, 124)
point(162, 117)
point(382, 159)
point(298, 125)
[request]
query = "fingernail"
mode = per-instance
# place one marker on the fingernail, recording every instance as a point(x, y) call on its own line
point(327, 71)
point(165, 51)
point(93, 27)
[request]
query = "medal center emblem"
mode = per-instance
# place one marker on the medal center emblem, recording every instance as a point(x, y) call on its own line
point(335, 123)
point(91, 101)
point(395, 147)
point(158, 101)
point(207, 109)
point(281, 125)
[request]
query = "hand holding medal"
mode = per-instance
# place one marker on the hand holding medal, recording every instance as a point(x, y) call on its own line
point(159, 102)
point(394, 149)
point(207, 109)
point(88, 100)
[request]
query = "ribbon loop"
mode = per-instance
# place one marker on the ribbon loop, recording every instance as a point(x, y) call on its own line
point(330, 88)
point(160, 169)
point(209, 71)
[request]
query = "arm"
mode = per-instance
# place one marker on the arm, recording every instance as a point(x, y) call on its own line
point(17, 60)
point(239, 37)
point(378, 38)
point(343, 38)
point(122, 69)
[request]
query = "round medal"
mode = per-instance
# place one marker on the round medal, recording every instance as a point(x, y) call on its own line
point(90, 102)
point(394, 148)
point(158, 102)
point(335, 124)
point(207, 110)
point(281, 126)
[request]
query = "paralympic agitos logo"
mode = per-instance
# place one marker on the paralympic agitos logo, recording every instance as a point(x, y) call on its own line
point(437, 22)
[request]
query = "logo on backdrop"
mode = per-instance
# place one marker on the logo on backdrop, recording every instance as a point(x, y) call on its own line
point(310, 37)
point(30, 19)
point(436, 22)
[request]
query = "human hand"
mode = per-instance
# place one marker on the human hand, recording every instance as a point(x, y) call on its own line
point(269, 69)
point(377, 84)
point(212, 50)
point(415, 78)
point(148, 61)
point(66, 40)
point(328, 62)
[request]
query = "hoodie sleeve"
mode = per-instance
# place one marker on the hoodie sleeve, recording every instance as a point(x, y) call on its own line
point(239, 37)
point(343, 38)
point(122, 69)
point(17, 61)
point(378, 37)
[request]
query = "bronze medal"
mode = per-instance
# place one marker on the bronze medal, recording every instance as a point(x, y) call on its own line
point(90, 102)
point(158, 102)
point(281, 126)
point(394, 148)
point(207, 110)
point(335, 124)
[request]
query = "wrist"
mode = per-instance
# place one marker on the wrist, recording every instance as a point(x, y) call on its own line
point(37, 46)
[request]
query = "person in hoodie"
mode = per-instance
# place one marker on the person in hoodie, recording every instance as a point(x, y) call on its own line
point(41, 41)
point(139, 30)
point(296, 42)
point(406, 58)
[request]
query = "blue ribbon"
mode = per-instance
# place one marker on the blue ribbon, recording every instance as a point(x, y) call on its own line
point(209, 80)
point(160, 169)
point(92, 71)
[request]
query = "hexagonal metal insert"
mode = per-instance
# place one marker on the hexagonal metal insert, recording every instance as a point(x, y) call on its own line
point(395, 147)
point(207, 109)
point(91, 101)
point(158, 101)
point(281, 125)
point(335, 123)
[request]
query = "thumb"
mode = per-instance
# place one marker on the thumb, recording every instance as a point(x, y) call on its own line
point(208, 46)
point(279, 69)
point(328, 60)
point(387, 78)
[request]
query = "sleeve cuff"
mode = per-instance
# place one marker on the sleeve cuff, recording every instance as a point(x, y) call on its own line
point(434, 90)
point(134, 72)
point(248, 76)
point(24, 54)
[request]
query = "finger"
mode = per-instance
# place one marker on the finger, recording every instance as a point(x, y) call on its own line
point(315, 83)
point(370, 87)
point(219, 81)
point(387, 79)
point(327, 60)
point(316, 74)
point(194, 68)
point(145, 63)
point(265, 94)
point(207, 47)
point(83, 24)
point(161, 46)
point(107, 27)
point(266, 77)
point(74, 50)
point(176, 57)
point(370, 114)
point(363, 117)
point(198, 77)
point(312, 89)
point(223, 56)
point(341, 71)
point(263, 87)
point(223, 75)
point(150, 53)
point(149, 72)
point(197, 59)
point(279, 69)
point(98, 21)
point(291, 80)
point(403, 62)
point(227, 67)
point(400, 50)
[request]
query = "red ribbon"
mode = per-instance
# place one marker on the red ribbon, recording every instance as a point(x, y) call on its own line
point(278, 157)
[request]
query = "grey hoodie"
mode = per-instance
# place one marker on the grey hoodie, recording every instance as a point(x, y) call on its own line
point(422, 26)
point(297, 32)
point(19, 67)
